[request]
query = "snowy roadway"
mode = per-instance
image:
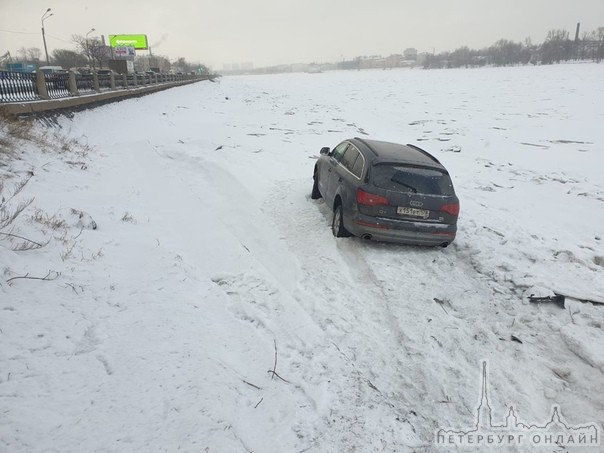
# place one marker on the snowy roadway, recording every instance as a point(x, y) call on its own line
point(211, 310)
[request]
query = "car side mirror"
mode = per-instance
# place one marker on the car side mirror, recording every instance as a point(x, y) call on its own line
point(325, 151)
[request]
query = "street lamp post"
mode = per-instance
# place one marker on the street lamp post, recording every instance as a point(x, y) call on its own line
point(90, 59)
point(44, 17)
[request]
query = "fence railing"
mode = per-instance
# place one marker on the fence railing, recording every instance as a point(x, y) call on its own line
point(104, 82)
point(119, 82)
point(57, 85)
point(22, 86)
point(18, 86)
point(84, 83)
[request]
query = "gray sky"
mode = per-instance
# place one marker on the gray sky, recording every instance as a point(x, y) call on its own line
point(268, 32)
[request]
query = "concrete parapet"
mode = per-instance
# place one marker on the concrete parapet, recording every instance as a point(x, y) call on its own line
point(41, 85)
point(73, 86)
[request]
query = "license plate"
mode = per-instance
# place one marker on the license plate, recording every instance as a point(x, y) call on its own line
point(423, 213)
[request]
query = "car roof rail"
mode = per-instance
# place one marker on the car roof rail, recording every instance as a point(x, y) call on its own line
point(364, 142)
point(424, 152)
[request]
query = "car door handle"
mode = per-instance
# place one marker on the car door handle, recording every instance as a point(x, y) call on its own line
point(329, 170)
point(339, 179)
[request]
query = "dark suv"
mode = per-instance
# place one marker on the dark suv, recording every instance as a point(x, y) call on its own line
point(387, 192)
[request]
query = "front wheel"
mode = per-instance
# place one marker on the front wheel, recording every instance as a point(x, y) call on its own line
point(337, 223)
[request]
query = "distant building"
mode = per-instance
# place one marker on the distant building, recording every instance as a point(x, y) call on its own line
point(394, 61)
point(410, 54)
point(378, 62)
point(238, 68)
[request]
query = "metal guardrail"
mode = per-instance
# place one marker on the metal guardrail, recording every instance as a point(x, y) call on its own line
point(18, 86)
point(57, 85)
point(22, 86)
point(104, 82)
point(84, 83)
point(119, 82)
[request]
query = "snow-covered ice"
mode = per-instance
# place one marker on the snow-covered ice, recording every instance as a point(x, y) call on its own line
point(196, 300)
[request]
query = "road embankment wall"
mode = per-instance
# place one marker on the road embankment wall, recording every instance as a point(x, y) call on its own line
point(33, 108)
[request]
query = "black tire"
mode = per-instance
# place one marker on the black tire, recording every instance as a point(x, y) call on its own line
point(315, 194)
point(337, 223)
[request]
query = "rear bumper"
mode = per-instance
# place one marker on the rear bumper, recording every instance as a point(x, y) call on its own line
point(401, 231)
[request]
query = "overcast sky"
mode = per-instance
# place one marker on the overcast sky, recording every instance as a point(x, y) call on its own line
point(269, 32)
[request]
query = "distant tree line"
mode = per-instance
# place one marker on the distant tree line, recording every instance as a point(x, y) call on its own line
point(90, 53)
point(557, 47)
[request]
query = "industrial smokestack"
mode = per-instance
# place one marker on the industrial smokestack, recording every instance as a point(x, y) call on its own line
point(577, 33)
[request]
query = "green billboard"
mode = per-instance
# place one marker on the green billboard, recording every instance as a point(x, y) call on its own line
point(139, 42)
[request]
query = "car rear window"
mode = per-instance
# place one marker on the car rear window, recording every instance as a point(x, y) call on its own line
point(411, 179)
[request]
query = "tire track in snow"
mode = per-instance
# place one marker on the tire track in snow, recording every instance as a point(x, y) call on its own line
point(411, 380)
point(345, 297)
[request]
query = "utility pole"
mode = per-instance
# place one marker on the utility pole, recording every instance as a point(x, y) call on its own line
point(44, 17)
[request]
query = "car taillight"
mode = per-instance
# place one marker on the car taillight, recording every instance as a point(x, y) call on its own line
point(452, 208)
point(370, 199)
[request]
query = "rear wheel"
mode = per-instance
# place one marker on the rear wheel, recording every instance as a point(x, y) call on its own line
point(315, 194)
point(337, 223)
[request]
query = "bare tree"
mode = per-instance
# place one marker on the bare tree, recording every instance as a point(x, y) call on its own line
point(505, 52)
point(28, 55)
point(21, 55)
point(160, 62)
point(92, 49)
point(182, 65)
point(557, 47)
point(557, 35)
point(34, 54)
point(69, 58)
point(462, 56)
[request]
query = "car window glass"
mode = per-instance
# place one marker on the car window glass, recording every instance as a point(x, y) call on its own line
point(339, 150)
point(357, 169)
point(411, 179)
point(350, 157)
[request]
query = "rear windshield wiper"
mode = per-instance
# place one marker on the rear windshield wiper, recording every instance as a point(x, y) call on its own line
point(413, 189)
